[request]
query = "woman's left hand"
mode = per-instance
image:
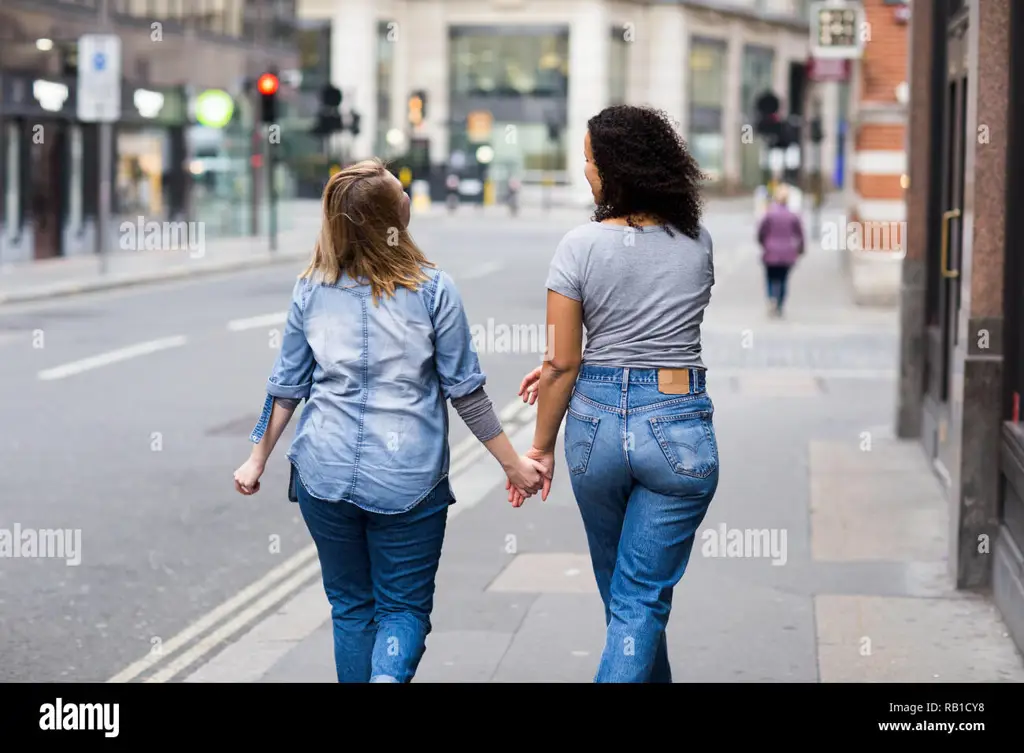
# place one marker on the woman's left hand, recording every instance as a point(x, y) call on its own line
point(247, 477)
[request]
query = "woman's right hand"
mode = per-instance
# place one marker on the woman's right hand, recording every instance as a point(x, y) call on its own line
point(530, 385)
point(247, 477)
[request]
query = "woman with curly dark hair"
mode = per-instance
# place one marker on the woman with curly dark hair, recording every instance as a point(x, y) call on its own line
point(639, 436)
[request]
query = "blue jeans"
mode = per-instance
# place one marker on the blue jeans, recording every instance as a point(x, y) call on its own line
point(378, 572)
point(776, 277)
point(644, 468)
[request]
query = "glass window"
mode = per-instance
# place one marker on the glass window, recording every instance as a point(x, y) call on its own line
point(314, 46)
point(618, 64)
point(707, 73)
point(484, 63)
point(758, 64)
point(520, 149)
point(707, 93)
point(386, 31)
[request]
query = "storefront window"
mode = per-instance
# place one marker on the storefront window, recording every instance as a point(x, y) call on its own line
point(758, 63)
point(617, 66)
point(386, 31)
point(707, 93)
point(509, 85)
point(499, 62)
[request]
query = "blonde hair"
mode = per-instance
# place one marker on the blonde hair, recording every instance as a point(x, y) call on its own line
point(781, 194)
point(362, 233)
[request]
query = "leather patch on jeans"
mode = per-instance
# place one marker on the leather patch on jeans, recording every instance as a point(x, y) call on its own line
point(674, 381)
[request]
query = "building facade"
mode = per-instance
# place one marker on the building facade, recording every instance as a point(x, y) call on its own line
point(878, 132)
point(522, 77)
point(962, 352)
point(165, 165)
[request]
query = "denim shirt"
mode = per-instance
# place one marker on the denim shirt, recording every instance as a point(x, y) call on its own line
point(374, 428)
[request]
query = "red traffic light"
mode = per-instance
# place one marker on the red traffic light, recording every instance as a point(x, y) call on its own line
point(267, 84)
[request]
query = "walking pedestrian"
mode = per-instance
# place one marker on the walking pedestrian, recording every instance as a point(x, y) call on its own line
point(640, 440)
point(376, 341)
point(781, 236)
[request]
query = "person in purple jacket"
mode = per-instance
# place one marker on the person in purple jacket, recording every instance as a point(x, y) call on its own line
point(781, 237)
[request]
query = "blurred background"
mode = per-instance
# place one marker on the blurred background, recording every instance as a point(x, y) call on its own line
point(878, 423)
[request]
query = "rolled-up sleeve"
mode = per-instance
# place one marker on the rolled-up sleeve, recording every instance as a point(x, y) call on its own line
point(454, 356)
point(292, 376)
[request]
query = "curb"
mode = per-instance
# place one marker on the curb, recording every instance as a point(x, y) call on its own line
point(128, 281)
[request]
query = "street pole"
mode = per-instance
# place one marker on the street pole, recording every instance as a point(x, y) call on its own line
point(105, 132)
point(272, 191)
point(189, 180)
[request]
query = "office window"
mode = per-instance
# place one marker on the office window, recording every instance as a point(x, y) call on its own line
point(499, 62)
point(618, 66)
point(385, 73)
point(313, 41)
point(707, 93)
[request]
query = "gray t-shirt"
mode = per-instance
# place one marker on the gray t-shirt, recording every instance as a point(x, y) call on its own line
point(643, 293)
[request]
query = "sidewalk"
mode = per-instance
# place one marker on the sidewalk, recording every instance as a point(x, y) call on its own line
point(822, 558)
point(58, 277)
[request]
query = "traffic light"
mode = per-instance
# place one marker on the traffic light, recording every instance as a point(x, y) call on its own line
point(267, 86)
point(417, 107)
point(328, 118)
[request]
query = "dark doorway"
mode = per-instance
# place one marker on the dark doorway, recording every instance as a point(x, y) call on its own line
point(797, 88)
point(946, 227)
point(46, 149)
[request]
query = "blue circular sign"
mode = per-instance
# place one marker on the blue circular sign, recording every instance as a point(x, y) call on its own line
point(99, 61)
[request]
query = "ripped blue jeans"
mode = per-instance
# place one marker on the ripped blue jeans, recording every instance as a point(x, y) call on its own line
point(378, 573)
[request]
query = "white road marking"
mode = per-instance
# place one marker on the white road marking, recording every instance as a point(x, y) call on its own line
point(240, 620)
point(255, 322)
point(114, 356)
point(216, 615)
point(264, 594)
point(514, 414)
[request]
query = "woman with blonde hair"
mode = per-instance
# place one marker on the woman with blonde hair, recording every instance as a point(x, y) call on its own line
point(376, 341)
point(781, 237)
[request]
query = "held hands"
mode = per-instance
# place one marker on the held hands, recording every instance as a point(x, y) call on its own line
point(247, 477)
point(544, 463)
point(526, 477)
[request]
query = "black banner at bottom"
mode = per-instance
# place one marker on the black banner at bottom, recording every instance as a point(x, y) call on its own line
point(107, 715)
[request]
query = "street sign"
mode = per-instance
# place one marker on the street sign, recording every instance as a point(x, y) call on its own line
point(838, 30)
point(99, 78)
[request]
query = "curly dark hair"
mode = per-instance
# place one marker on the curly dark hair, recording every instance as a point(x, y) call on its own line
point(645, 168)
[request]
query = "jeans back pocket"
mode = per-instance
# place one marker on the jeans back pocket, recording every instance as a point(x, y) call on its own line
point(688, 442)
point(580, 432)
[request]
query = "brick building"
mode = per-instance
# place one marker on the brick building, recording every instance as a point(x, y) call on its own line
point(877, 143)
